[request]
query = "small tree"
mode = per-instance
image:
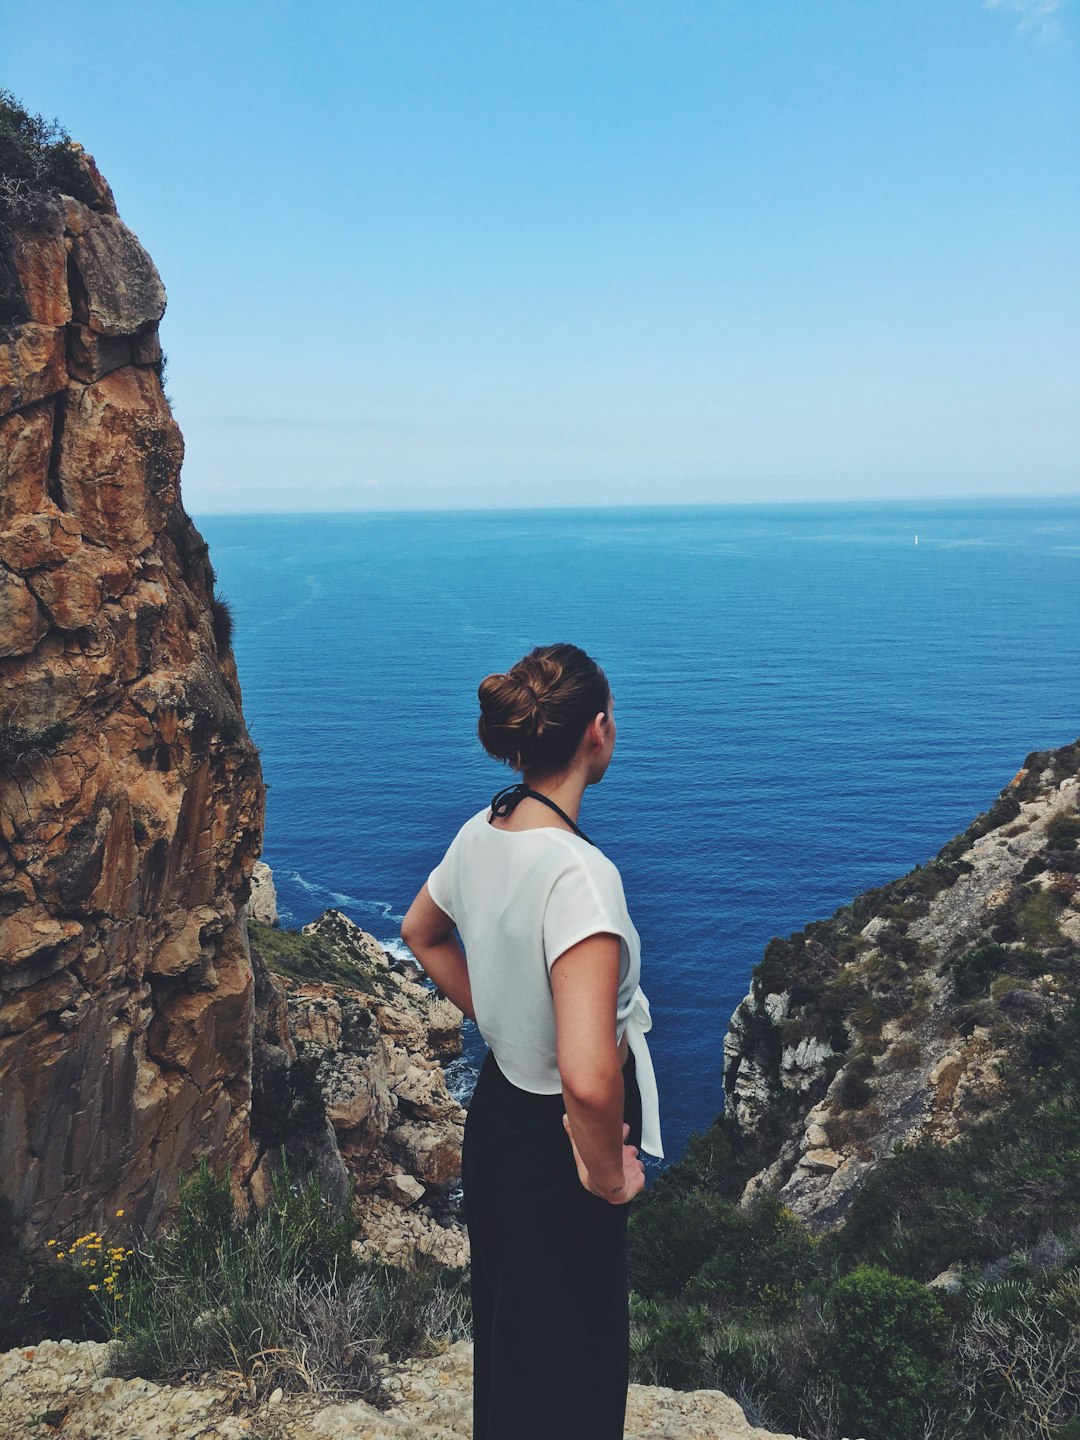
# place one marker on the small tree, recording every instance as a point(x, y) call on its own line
point(888, 1348)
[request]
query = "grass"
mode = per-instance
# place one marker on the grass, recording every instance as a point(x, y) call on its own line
point(311, 958)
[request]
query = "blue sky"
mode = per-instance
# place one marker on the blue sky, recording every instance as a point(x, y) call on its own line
point(537, 252)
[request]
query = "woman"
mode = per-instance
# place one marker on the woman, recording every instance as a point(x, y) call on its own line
point(566, 1092)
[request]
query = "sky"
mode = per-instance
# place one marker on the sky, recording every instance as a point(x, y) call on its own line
point(506, 253)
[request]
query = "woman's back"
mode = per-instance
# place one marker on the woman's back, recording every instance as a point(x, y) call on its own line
point(520, 898)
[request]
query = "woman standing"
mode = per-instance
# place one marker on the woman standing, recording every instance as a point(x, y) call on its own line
point(566, 1092)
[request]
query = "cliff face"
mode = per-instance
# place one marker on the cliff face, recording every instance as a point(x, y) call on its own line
point(131, 797)
point(348, 1082)
point(139, 1029)
point(902, 1015)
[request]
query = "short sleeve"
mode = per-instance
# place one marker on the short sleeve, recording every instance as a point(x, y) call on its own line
point(581, 904)
point(439, 884)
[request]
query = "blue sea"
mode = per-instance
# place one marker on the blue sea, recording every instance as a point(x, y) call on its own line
point(810, 701)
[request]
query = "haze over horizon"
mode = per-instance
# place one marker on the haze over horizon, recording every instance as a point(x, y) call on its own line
point(508, 255)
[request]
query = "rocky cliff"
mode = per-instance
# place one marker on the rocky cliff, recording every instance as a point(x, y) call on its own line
point(348, 1081)
point(903, 1014)
point(131, 798)
point(139, 1029)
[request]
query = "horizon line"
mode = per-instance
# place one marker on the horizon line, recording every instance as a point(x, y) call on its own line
point(935, 500)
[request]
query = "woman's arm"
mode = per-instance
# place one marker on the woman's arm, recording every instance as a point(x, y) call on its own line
point(584, 987)
point(429, 934)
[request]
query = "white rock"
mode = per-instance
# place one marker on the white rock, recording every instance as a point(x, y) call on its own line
point(263, 902)
point(777, 1006)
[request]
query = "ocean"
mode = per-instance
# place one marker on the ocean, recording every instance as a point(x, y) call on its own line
point(811, 699)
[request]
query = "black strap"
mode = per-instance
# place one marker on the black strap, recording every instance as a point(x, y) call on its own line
point(507, 800)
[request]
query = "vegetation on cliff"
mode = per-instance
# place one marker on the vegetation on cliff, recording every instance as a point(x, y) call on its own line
point(929, 1285)
point(277, 1299)
point(37, 156)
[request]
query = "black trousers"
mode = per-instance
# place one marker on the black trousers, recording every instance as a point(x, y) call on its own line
point(550, 1303)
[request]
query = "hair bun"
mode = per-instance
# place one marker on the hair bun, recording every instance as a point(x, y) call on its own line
point(534, 715)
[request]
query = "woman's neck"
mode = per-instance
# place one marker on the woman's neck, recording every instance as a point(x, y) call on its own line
point(566, 790)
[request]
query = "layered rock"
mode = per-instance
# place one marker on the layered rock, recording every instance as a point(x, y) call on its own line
point(131, 797)
point(898, 1018)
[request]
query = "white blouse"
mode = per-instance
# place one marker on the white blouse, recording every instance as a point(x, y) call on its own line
point(519, 899)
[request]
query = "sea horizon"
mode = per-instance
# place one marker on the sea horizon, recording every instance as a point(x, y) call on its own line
point(1011, 499)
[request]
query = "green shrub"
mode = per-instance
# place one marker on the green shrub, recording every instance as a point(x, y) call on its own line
point(903, 1055)
point(853, 1128)
point(36, 158)
point(762, 1038)
point(1029, 914)
point(669, 1344)
point(670, 1240)
point(230, 729)
point(719, 1159)
point(62, 1292)
point(889, 1338)
point(1005, 985)
point(854, 1090)
point(975, 969)
point(1063, 829)
point(1009, 1179)
point(762, 1259)
point(223, 623)
point(310, 957)
point(1017, 1353)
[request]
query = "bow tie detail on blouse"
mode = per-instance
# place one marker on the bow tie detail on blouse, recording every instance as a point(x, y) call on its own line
point(640, 1020)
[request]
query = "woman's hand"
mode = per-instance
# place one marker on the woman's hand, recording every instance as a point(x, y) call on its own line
point(633, 1169)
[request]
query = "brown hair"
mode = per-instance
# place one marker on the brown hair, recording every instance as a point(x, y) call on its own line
point(534, 716)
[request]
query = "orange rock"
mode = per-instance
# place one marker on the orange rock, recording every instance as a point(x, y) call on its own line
point(90, 355)
point(119, 461)
point(37, 540)
point(25, 446)
point(31, 365)
point(40, 258)
point(128, 845)
point(21, 621)
point(71, 593)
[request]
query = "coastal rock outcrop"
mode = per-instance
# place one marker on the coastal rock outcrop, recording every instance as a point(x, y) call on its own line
point(131, 796)
point(352, 1083)
point(898, 1017)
